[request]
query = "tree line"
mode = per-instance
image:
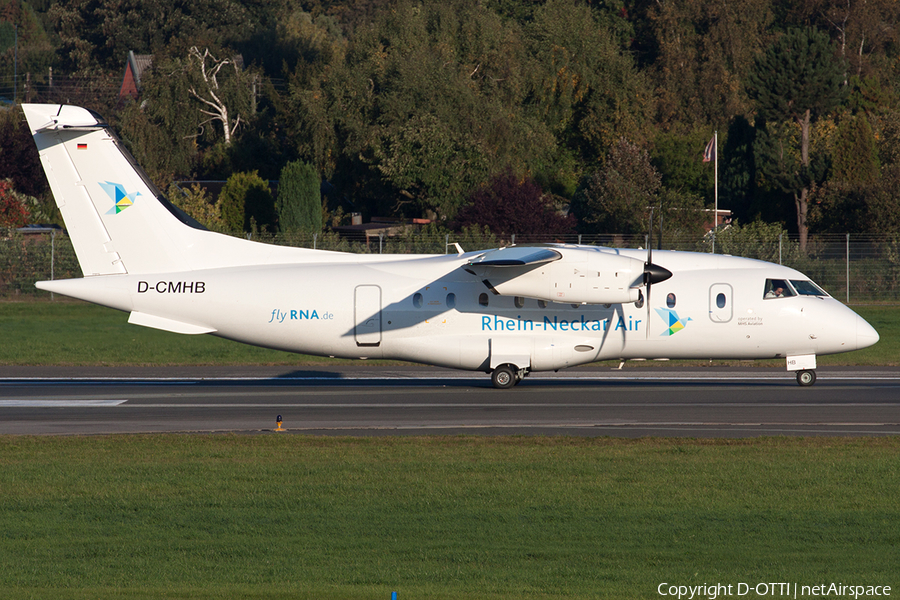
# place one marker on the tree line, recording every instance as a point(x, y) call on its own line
point(507, 114)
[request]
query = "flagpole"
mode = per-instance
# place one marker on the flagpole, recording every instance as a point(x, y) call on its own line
point(716, 188)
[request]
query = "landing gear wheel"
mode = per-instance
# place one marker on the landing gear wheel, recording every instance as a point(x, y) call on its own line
point(806, 378)
point(504, 377)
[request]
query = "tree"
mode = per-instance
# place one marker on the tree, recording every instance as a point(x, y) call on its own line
point(220, 103)
point(430, 100)
point(19, 158)
point(864, 30)
point(675, 156)
point(198, 205)
point(738, 171)
point(852, 198)
point(855, 152)
point(508, 204)
point(427, 104)
point(24, 45)
point(701, 53)
point(13, 206)
point(96, 35)
point(798, 79)
point(617, 197)
point(581, 84)
point(299, 203)
point(246, 201)
point(188, 116)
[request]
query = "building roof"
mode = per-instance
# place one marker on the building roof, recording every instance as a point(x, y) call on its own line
point(135, 66)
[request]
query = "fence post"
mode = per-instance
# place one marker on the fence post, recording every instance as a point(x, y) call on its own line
point(848, 268)
point(52, 257)
point(512, 242)
point(579, 239)
point(380, 240)
point(315, 237)
point(780, 235)
point(446, 243)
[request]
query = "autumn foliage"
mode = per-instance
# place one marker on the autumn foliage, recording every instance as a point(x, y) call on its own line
point(509, 204)
point(13, 210)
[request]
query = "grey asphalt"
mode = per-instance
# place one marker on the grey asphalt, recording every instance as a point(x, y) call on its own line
point(634, 401)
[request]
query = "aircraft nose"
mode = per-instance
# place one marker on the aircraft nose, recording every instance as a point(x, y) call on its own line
point(865, 334)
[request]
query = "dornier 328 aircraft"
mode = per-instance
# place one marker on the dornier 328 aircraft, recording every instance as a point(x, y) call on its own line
point(506, 311)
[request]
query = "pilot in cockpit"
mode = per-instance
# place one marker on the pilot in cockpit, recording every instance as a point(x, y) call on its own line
point(777, 288)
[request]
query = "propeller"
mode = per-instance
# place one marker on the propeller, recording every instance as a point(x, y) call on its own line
point(652, 273)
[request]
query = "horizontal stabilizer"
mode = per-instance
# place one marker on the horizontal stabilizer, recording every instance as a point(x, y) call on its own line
point(139, 318)
point(516, 257)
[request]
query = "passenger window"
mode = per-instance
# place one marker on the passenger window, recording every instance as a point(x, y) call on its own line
point(720, 300)
point(417, 300)
point(542, 303)
point(670, 300)
point(520, 301)
point(483, 299)
point(451, 300)
point(777, 288)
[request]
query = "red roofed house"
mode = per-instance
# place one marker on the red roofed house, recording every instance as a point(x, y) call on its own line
point(134, 68)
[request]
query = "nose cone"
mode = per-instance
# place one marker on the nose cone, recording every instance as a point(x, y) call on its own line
point(865, 334)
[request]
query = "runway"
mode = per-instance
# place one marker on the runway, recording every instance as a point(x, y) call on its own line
point(696, 402)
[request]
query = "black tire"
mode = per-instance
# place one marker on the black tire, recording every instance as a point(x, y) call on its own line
point(806, 378)
point(503, 377)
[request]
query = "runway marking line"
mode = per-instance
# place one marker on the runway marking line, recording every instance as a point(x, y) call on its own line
point(67, 403)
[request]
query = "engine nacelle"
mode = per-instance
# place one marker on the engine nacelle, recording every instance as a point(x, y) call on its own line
point(579, 276)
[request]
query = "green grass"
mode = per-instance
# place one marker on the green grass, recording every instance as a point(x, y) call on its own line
point(77, 333)
point(278, 516)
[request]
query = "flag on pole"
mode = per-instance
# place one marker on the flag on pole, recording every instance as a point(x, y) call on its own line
point(710, 152)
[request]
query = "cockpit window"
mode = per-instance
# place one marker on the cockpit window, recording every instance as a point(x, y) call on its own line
point(777, 288)
point(807, 288)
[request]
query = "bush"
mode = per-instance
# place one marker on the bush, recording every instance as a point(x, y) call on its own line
point(299, 203)
point(246, 200)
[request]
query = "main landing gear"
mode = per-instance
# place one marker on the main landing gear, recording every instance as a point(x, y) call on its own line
point(806, 377)
point(507, 376)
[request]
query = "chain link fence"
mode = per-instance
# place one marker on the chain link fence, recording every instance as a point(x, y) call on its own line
point(857, 269)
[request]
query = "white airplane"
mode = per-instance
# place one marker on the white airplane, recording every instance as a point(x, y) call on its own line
point(506, 311)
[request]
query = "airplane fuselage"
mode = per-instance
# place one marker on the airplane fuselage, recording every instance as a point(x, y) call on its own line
point(429, 309)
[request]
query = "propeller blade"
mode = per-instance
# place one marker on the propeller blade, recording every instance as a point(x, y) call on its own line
point(648, 276)
point(647, 321)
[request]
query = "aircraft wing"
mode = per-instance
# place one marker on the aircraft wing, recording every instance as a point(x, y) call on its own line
point(516, 257)
point(561, 274)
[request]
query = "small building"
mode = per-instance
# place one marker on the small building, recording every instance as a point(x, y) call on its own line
point(378, 227)
point(135, 67)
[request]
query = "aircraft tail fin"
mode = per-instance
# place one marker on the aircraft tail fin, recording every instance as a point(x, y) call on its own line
point(117, 220)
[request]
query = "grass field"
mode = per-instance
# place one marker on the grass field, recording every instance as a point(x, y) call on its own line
point(283, 516)
point(287, 516)
point(77, 333)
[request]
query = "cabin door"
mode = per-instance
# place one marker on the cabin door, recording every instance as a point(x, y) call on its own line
point(721, 300)
point(367, 315)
